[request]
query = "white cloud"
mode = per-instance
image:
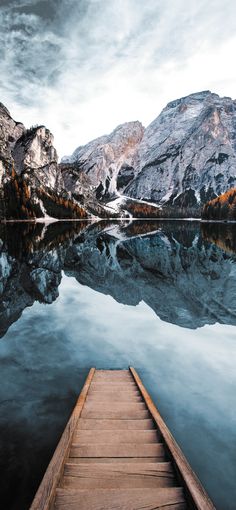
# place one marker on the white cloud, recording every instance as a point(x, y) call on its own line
point(98, 63)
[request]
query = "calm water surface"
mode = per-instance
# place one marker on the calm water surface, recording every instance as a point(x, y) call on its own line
point(158, 296)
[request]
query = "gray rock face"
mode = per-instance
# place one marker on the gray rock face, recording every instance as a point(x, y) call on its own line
point(36, 157)
point(10, 131)
point(188, 153)
point(30, 151)
point(185, 157)
point(102, 159)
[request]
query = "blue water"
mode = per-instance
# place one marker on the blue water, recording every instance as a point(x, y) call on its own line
point(100, 305)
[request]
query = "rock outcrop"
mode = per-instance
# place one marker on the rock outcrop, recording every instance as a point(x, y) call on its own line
point(31, 185)
point(10, 132)
point(35, 155)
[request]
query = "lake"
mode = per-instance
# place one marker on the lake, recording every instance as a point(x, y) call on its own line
point(160, 296)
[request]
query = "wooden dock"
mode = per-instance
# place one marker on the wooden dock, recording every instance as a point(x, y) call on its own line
point(116, 452)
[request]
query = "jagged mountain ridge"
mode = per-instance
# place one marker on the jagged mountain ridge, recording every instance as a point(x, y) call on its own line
point(185, 157)
point(31, 180)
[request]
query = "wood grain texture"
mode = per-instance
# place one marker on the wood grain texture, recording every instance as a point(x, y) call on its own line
point(124, 386)
point(114, 397)
point(44, 497)
point(120, 499)
point(116, 436)
point(118, 476)
point(113, 460)
point(121, 406)
point(113, 454)
point(115, 414)
point(120, 375)
point(101, 424)
point(197, 495)
point(121, 450)
point(113, 391)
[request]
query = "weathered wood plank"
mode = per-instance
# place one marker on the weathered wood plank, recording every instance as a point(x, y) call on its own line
point(121, 450)
point(115, 460)
point(122, 406)
point(194, 489)
point(116, 436)
point(113, 372)
point(112, 376)
point(103, 424)
point(127, 386)
point(114, 397)
point(45, 495)
point(105, 389)
point(118, 476)
point(120, 499)
point(120, 414)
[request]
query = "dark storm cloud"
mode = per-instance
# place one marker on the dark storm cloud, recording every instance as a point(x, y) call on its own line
point(69, 60)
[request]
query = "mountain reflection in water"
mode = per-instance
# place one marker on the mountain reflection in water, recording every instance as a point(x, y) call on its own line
point(180, 272)
point(178, 280)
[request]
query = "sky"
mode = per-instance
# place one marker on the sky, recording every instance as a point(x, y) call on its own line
point(81, 67)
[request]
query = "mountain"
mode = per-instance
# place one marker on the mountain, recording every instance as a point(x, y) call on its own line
point(188, 153)
point(185, 157)
point(109, 160)
point(32, 183)
point(221, 208)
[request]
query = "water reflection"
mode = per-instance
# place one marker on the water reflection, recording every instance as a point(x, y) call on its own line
point(186, 275)
point(106, 286)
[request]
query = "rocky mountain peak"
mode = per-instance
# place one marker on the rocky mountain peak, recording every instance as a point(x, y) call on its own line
point(105, 157)
point(10, 131)
point(34, 149)
point(188, 153)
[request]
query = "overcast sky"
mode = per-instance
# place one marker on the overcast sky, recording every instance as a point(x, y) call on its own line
point(83, 66)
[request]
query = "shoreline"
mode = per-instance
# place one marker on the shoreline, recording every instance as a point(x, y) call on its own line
point(93, 220)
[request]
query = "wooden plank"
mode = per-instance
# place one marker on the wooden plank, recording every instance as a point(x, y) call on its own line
point(120, 371)
point(110, 388)
point(101, 397)
point(121, 450)
point(113, 460)
point(96, 424)
point(118, 476)
point(127, 386)
point(45, 495)
point(112, 376)
point(120, 499)
point(115, 394)
point(116, 436)
point(116, 414)
point(196, 493)
point(122, 406)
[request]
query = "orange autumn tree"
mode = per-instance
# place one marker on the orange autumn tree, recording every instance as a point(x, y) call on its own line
point(222, 207)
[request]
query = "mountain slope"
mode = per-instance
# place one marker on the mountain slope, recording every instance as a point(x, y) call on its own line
point(188, 153)
point(185, 157)
point(109, 160)
point(31, 181)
